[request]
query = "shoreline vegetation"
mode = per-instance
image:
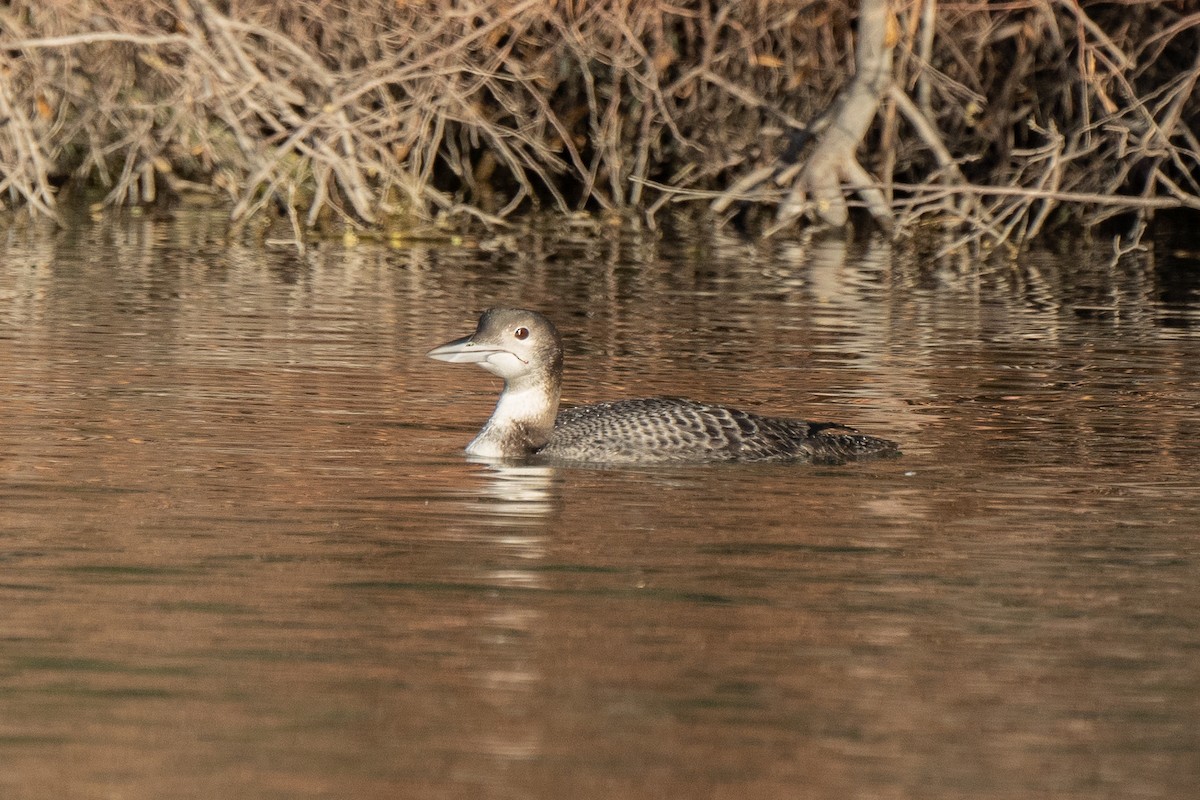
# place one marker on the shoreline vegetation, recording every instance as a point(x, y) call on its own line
point(992, 121)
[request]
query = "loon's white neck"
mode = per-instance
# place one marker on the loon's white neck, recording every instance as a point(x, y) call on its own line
point(521, 423)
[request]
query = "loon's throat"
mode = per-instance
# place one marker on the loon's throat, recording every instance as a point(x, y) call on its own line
point(522, 421)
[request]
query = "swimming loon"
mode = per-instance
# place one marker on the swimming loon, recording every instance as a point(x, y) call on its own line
point(524, 348)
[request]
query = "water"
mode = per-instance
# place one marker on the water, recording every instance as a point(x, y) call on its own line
point(242, 554)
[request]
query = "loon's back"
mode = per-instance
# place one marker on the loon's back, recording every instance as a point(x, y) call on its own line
point(662, 430)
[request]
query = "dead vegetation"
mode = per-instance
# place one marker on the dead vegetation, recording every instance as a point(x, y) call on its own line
point(997, 120)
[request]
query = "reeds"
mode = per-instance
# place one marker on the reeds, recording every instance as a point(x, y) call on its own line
point(999, 121)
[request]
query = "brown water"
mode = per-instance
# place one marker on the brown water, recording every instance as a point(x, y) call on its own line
point(243, 556)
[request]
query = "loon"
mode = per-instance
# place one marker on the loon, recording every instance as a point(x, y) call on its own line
point(524, 348)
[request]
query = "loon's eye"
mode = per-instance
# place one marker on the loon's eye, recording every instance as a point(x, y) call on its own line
point(521, 333)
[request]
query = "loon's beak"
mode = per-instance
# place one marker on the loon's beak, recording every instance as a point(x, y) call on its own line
point(464, 351)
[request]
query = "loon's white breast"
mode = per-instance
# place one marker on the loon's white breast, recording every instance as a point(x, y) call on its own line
point(524, 348)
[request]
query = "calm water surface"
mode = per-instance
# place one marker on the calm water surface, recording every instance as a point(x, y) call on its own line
point(243, 556)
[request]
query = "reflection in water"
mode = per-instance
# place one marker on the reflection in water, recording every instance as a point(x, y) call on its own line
point(514, 494)
point(513, 499)
point(244, 555)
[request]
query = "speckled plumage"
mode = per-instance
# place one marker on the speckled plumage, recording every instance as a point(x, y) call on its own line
point(668, 429)
point(524, 348)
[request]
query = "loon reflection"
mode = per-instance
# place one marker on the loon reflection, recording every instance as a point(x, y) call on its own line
point(524, 348)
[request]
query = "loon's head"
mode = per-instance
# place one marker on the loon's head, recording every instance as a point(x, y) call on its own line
point(518, 345)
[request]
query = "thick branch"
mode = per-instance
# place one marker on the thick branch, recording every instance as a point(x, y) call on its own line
point(833, 161)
